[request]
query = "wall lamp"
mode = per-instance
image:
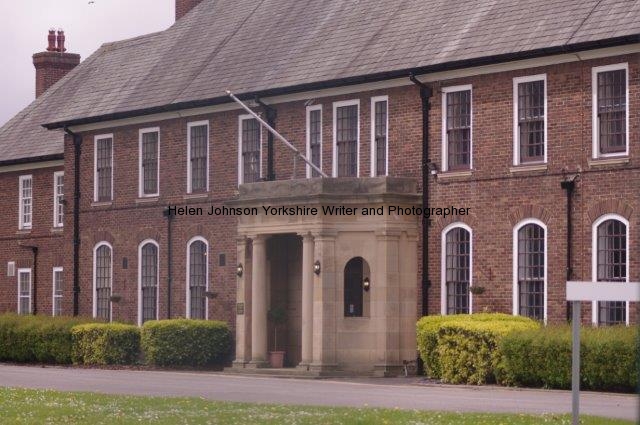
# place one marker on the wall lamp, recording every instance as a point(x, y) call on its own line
point(433, 168)
point(366, 284)
point(316, 268)
point(239, 270)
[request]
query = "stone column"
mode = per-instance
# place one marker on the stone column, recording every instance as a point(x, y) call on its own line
point(259, 303)
point(242, 315)
point(307, 300)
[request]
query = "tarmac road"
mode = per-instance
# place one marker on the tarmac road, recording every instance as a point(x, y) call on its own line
point(404, 393)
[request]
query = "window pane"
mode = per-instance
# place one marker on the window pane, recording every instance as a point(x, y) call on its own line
point(381, 137)
point(197, 279)
point(612, 106)
point(103, 282)
point(26, 201)
point(315, 138)
point(612, 267)
point(353, 288)
point(250, 150)
point(457, 269)
point(531, 271)
point(59, 199)
point(24, 295)
point(57, 293)
point(531, 120)
point(150, 163)
point(347, 140)
point(103, 168)
point(149, 281)
point(198, 158)
point(459, 130)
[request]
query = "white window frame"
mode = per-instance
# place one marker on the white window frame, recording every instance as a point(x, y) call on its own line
point(336, 105)
point(140, 246)
point(95, 164)
point(445, 144)
point(23, 225)
point(516, 130)
point(187, 290)
point(95, 305)
point(57, 197)
point(594, 259)
point(141, 193)
point(30, 271)
point(308, 126)
point(515, 293)
point(374, 148)
point(189, 171)
point(443, 265)
point(594, 109)
point(54, 297)
point(241, 119)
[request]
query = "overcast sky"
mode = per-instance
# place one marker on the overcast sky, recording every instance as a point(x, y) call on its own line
point(24, 25)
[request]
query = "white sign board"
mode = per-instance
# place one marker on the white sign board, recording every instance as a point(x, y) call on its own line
point(603, 291)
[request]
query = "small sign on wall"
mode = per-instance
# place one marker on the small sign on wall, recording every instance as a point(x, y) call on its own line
point(240, 309)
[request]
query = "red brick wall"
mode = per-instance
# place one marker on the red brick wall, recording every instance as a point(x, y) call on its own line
point(51, 252)
point(497, 197)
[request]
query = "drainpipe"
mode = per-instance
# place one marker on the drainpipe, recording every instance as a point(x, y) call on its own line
point(271, 120)
point(34, 283)
point(569, 185)
point(425, 94)
point(169, 215)
point(77, 145)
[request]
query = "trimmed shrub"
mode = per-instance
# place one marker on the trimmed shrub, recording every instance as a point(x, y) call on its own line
point(542, 358)
point(106, 344)
point(463, 348)
point(37, 339)
point(185, 342)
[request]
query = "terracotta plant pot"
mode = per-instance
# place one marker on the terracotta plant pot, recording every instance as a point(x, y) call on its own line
point(276, 359)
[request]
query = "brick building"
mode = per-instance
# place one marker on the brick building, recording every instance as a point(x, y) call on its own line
point(524, 119)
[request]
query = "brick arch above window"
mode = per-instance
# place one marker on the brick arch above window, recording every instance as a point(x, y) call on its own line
point(609, 206)
point(470, 220)
point(102, 236)
point(148, 233)
point(528, 211)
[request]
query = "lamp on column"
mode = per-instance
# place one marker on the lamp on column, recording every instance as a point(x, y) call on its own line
point(239, 270)
point(316, 268)
point(366, 284)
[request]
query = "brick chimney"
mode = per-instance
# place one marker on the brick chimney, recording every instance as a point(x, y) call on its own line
point(184, 6)
point(54, 63)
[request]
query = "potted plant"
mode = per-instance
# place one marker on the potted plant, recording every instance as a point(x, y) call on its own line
point(277, 316)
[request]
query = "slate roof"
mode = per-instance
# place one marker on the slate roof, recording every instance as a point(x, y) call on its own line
point(266, 46)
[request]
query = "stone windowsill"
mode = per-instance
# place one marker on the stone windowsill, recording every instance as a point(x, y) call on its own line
point(102, 204)
point(447, 175)
point(57, 229)
point(608, 160)
point(196, 196)
point(147, 200)
point(23, 232)
point(526, 168)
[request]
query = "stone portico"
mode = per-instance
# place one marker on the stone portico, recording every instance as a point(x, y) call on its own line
point(310, 265)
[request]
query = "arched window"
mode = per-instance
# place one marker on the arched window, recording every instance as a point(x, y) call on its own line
point(148, 282)
point(102, 281)
point(530, 270)
point(197, 277)
point(610, 265)
point(456, 270)
point(355, 273)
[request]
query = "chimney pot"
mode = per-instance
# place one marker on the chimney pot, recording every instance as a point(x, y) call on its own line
point(52, 41)
point(61, 39)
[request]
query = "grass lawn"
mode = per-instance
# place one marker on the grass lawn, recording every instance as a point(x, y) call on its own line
point(18, 406)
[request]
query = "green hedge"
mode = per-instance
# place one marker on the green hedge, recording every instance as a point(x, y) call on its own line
point(106, 344)
point(184, 342)
point(37, 339)
point(464, 348)
point(542, 358)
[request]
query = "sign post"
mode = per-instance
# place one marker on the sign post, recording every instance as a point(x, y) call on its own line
point(591, 291)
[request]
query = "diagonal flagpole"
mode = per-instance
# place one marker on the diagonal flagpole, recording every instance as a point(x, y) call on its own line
point(275, 133)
